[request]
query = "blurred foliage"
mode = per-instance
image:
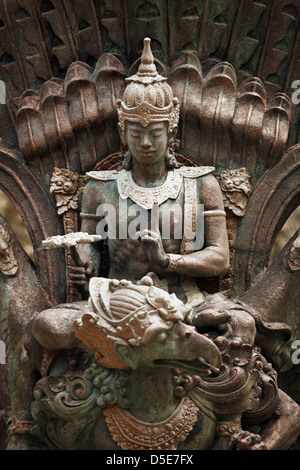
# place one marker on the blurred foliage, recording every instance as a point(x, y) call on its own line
point(11, 215)
point(288, 230)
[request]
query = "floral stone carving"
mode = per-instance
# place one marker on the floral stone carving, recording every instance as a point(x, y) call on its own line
point(236, 189)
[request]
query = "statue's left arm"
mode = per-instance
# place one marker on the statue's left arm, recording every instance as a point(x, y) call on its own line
point(213, 259)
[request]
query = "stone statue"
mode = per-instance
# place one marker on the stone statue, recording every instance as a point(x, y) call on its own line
point(153, 378)
point(152, 179)
point(148, 322)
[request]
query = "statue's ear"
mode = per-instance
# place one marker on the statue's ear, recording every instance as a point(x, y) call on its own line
point(172, 135)
point(126, 353)
point(121, 134)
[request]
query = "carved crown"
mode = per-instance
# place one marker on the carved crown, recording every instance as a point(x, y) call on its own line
point(148, 98)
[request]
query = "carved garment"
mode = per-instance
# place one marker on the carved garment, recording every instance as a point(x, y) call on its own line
point(181, 182)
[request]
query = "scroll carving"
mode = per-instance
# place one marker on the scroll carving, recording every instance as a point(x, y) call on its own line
point(228, 428)
point(8, 262)
point(294, 260)
point(236, 190)
point(66, 186)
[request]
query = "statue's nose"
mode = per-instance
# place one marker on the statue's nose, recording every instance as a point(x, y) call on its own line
point(145, 142)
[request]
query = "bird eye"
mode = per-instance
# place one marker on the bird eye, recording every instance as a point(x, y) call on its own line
point(161, 337)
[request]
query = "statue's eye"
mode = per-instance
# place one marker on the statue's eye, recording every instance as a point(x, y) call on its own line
point(161, 337)
point(134, 133)
point(157, 133)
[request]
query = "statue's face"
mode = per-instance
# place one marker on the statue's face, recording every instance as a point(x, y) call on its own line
point(147, 145)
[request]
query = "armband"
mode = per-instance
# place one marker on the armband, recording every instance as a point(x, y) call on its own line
point(173, 260)
point(214, 213)
point(84, 215)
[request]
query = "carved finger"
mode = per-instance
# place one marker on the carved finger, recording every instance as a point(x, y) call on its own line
point(155, 218)
point(90, 268)
point(75, 255)
point(77, 269)
point(124, 255)
point(79, 283)
point(148, 239)
point(244, 443)
point(77, 276)
point(147, 233)
point(171, 246)
point(244, 440)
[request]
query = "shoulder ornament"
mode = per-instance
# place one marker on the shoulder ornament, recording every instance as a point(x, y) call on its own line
point(105, 175)
point(195, 171)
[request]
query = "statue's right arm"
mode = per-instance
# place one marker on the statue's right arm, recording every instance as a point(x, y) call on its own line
point(87, 256)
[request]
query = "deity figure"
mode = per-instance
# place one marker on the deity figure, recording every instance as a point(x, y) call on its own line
point(169, 194)
point(179, 236)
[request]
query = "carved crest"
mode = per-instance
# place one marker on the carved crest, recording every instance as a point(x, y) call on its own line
point(8, 262)
point(236, 189)
point(294, 259)
point(124, 311)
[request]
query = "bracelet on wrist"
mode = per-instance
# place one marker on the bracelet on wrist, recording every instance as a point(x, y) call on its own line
point(173, 260)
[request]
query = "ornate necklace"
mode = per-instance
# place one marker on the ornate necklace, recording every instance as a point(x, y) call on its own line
point(146, 197)
point(131, 433)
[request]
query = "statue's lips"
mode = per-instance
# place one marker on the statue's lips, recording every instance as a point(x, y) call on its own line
point(198, 365)
point(147, 154)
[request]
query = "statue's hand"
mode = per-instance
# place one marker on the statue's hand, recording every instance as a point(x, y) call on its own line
point(124, 254)
point(80, 275)
point(154, 248)
point(245, 440)
point(81, 272)
point(152, 241)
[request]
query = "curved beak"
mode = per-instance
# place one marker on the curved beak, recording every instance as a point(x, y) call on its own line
point(197, 354)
